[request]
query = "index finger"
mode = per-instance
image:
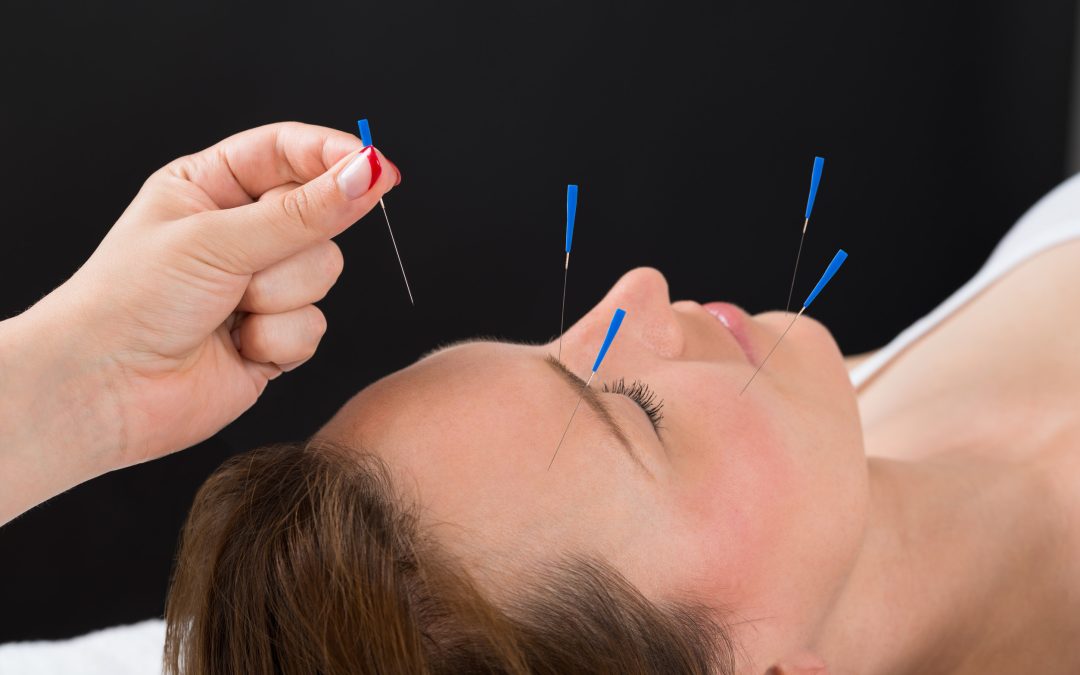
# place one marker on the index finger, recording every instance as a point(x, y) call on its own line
point(244, 166)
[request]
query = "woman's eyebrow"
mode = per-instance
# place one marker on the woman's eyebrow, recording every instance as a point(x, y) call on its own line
point(594, 402)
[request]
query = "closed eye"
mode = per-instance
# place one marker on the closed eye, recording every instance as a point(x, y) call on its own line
point(640, 393)
point(592, 398)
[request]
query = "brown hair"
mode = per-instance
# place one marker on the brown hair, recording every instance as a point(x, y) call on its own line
point(300, 558)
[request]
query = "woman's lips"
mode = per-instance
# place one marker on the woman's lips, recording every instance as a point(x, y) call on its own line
point(735, 320)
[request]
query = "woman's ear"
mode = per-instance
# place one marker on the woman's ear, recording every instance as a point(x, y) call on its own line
point(803, 663)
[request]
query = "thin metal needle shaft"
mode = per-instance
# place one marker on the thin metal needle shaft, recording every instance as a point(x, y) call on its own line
point(787, 307)
point(576, 406)
point(396, 252)
point(762, 365)
point(562, 314)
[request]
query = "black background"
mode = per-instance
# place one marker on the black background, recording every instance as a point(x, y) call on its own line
point(691, 130)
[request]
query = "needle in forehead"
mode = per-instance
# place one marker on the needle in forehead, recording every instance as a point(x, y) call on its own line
point(815, 178)
point(365, 138)
point(837, 261)
point(571, 213)
point(613, 328)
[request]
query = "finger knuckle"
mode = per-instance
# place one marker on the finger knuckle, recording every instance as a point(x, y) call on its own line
point(316, 322)
point(299, 207)
point(333, 261)
point(290, 127)
point(254, 339)
point(260, 292)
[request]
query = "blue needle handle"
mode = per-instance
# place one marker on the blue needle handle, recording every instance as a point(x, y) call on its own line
point(571, 212)
point(616, 321)
point(837, 261)
point(365, 132)
point(815, 178)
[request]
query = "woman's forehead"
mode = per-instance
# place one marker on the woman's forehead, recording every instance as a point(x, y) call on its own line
point(461, 393)
point(470, 432)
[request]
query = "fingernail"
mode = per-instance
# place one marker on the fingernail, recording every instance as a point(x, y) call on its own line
point(360, 174)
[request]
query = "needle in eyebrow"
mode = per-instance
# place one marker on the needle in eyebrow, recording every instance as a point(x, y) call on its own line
point(815, 178)
point(837, 261)
point(365, 138)
point(613, 328)
point(571, 213)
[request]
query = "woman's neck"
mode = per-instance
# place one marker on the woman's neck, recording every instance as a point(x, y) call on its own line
point(963, 568)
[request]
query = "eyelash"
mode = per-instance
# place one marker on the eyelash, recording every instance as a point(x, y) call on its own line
point(640, 393)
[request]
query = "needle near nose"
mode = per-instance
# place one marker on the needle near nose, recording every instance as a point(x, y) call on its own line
point(613, 328)
point(571, 213)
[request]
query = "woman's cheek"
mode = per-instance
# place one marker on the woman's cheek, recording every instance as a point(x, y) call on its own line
point(735, 473)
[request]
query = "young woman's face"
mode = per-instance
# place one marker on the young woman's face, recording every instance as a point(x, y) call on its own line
point(751, 503)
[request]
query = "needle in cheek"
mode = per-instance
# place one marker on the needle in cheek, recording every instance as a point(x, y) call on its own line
point(815, 178)
point(837, 261)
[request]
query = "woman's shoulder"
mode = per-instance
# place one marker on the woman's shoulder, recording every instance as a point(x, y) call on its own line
point(1052, 222)
point(1004, 365)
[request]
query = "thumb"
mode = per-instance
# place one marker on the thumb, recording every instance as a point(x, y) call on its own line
point(249, 238)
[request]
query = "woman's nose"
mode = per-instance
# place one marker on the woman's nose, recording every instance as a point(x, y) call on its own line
point(650, 322)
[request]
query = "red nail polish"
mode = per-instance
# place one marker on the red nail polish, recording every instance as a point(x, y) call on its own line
point(373, 160)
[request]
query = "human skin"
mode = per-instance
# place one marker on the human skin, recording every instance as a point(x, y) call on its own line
point(973, 438)
point(951, 547)
point(940, 537)
point(200, 294)
point(731, 491)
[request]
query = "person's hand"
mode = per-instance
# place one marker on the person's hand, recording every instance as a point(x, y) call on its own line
point(200, 294)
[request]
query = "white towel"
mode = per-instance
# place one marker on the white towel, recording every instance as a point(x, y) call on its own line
point(121, 650)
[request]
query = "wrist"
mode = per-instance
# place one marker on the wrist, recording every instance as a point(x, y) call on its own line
point(60, 418)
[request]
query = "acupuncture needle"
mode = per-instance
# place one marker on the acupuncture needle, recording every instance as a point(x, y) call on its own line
point(837, 261)
point(365, 138)
point(571, 213)
point(613, 328)
point(815, 178)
